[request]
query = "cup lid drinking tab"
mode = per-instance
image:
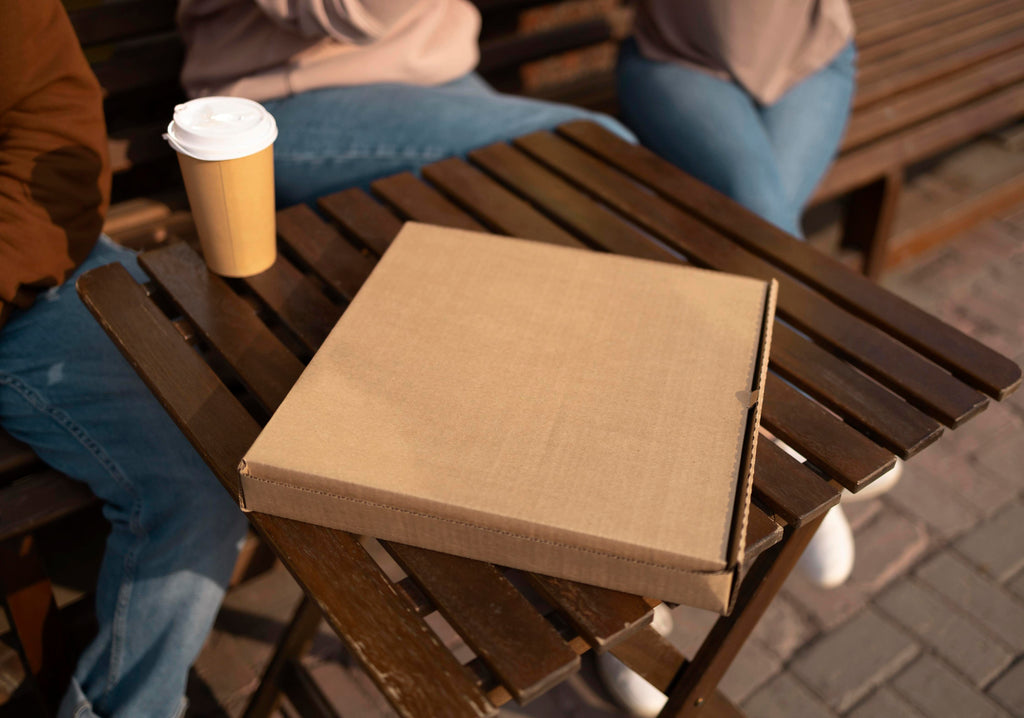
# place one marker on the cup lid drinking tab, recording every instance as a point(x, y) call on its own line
point(221, 128)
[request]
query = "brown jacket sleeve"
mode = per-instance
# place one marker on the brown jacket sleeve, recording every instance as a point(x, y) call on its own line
point(54, 172)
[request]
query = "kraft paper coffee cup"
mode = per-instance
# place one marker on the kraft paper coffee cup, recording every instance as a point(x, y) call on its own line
point(225, 149)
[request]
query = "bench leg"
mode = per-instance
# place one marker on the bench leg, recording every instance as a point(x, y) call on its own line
point(28, 596)
point(868, 221)
point(694, 688)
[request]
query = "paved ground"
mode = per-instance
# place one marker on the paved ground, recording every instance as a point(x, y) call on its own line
point(931, 622)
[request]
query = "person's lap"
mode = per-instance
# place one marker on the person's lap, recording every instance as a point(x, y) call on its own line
point(348, 136)
point(67, 392)
point(767, 158)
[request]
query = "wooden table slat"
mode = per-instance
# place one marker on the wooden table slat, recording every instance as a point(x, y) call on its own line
point(413, 198)
point(323, 250)
point(519, 646)
point(472, 190)
point(265, 365)
point(360, 214)
point(788, 487)
point(966, 357)
point(906, 17)
point(296, 302)
point(808, 430)
point(603, 617)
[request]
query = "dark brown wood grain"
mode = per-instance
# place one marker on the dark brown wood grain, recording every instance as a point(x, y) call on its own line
point(16, 459)
point(502, 628)
point(412, 198)
point(229, 324)
point(789, 488)
point(38, 499)
point(323, 250)
point(475, 192)
point(363, 217)
point(966, 357)
point(109, 21)
point(601, 616)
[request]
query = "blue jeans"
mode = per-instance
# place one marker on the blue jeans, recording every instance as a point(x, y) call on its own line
point(66, 391)
point(348, 136)
point(768, 158)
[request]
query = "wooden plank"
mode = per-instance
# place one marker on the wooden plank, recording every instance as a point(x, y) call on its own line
point(503, 629)
point(119, 19)
point(203, 408)
point(967, 358)
point(38, 499)
point(868, 407)
point(300, 307)
point(763, 532)
point(475, 192)
point(266, 367)
point(809, 429)
point(900, 74)
point(601, 616)
point(15, 457)
point(324, 252)
point(789, 488)
point(413, 198)
point(138, 145)
point(865, 164)
point(503, 53)
point(969, 24)
point(400, 653)
point(926, 101)
point(905, 17)
point(857, 341)
point(364, 218)
point(868, 218)
point(135, 64)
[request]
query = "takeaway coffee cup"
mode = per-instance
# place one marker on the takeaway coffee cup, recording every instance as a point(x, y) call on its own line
point(225, 148)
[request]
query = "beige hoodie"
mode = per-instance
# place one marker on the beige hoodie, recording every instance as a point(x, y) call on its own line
point(266, 49)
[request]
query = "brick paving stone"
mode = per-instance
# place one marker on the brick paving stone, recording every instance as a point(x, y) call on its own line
point(845, 665)
point(783, 628)
point(753, 666)
point(1009, 689)
point(997, 545)
point(1016, 584)
point(883, 703)
point(939, 625)
point(885, 548)
point(920, 495)
point(1005, 459)
point(985, 601)
point(939, 692)
point(785, 697)
point(993, 424)
point(860, 513)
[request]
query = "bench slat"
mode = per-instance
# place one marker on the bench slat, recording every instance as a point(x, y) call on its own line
point(875, 352)
point(601, 616)
point(929, 100)
point(966, 357)
point(504, 53)
point(38, 499)
point(132, 65)
point(120, 19)
point(905, 17)
point(789, 488)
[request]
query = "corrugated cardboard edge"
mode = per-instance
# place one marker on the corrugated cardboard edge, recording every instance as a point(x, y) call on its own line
point(750, 449)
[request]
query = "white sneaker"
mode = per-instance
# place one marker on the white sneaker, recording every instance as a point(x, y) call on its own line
point(627, 687)
point(828, 559)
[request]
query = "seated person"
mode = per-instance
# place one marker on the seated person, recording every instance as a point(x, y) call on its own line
point(360, 89)
point(67, 392)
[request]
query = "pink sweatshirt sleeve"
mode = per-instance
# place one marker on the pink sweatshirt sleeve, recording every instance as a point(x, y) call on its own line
point(349, 21)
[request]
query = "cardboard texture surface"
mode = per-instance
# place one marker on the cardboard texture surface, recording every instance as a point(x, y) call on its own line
point(569, 412)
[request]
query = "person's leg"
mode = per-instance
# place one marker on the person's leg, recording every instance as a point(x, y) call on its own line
point(348, 136)
point(66, 391)
point(710, 128)
point(806, 125)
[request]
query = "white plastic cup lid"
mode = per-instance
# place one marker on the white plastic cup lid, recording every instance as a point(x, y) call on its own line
point(221, 128)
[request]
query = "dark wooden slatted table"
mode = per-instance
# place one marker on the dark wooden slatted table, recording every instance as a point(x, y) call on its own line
point(858, 377)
